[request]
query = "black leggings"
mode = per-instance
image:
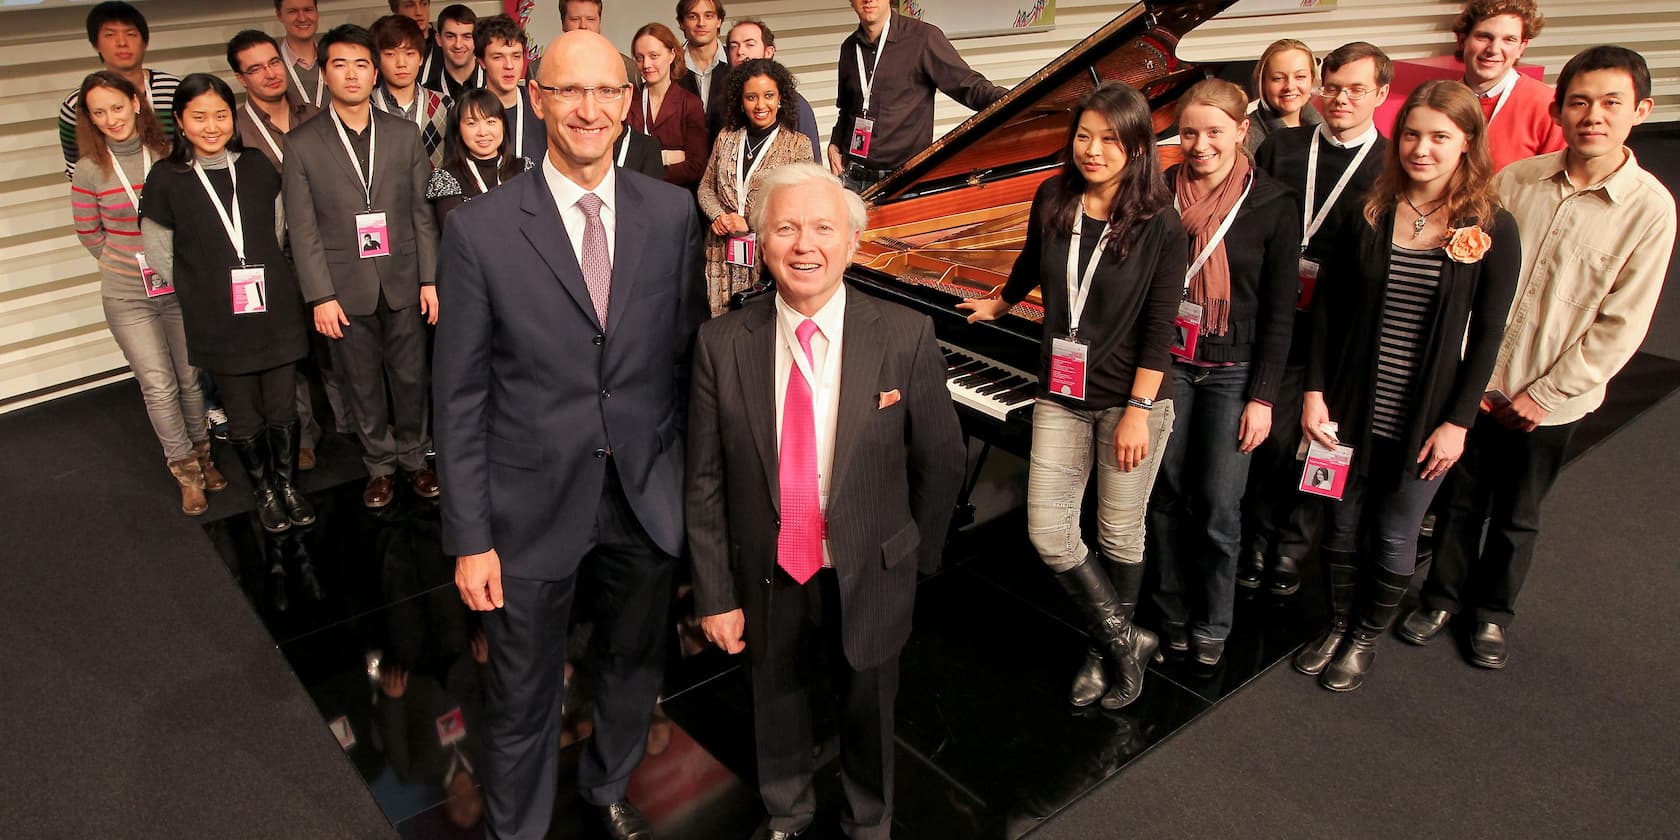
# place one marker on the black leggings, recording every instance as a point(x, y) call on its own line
point(255, 401)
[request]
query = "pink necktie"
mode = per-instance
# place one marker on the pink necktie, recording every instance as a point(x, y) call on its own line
point(799, 543)
point(596, 265)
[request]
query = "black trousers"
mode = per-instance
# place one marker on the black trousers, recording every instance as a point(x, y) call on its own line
point(1498, 485)
point(527, 638)
point(803, 653)
point(1278, 518)
point(257, 401)
point(386, 348)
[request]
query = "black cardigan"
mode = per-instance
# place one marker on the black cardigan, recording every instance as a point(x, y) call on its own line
point(1459, 352)
point(1263, 250)
point(1128, 318)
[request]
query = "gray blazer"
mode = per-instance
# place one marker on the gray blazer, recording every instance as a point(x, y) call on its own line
point(323, 196)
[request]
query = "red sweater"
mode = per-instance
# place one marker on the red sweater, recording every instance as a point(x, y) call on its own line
point(1524, 127)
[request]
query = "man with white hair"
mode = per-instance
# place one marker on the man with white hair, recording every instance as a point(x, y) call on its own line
point(824, 458)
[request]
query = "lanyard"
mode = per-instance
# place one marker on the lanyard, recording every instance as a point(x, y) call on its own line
point(472, 168)
point(1311, 223)
point(426, 65)
point(234, 227)
point(263, 130)
point(647, 115)
point(624, 150)
point(1079, 287)
point(1509, 83)
point(867, 82)
point(519, 126)
point(831, 363)
point(297, 82)
point(1218, 235)
point(744, 173)
point(122, 177)
point(366, 179)
point(420, 98)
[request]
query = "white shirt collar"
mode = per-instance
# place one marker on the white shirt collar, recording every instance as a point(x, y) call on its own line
point(1504, 84)
point(1369, 134)
point(567, 192)
point(717, 58)
point(830, 318)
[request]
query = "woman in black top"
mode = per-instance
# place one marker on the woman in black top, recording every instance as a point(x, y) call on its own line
point(1107, 253)
point(1239, 310)
point(213, 224)
point(1405, 334)
point(477, 153)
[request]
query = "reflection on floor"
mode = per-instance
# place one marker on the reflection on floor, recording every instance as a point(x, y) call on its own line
point(363, 606)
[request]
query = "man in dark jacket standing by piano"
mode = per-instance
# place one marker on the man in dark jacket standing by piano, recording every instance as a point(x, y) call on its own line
point(889, 69)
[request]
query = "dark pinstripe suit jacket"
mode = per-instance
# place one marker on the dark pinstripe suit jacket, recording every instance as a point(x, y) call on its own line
point(895, 475)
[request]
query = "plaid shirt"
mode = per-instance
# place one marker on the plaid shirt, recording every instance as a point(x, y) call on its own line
point(434, 126)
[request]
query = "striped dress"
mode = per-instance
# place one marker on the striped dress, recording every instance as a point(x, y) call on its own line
point(1414, 281)
point(107, 223)
point(161, 93)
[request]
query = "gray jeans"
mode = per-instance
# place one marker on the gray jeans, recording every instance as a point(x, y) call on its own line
point(153, 341)
point(1062, 443)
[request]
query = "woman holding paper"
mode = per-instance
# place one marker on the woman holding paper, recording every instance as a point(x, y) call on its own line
point(1107, 253)
point(212, 228)
point(118, 138)
point(1237, 313)
point(1405, 333)
point(759, 136)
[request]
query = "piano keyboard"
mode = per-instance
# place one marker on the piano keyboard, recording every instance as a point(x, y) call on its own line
point(989, 387)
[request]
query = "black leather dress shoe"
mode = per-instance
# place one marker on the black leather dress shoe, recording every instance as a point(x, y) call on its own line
point(1284, 578)
point(1251, 569)
point(1487, 646)
point(623, 822)
point(1423, 625)
point(1176, 636)
point(1209, 651)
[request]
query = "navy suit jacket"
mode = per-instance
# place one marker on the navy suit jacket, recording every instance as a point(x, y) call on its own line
point(531, 395)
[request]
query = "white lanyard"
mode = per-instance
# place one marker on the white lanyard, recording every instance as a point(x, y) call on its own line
point(1079, 287)
point(472, 168)
point(742, 178)
point(624, 150)
point(1309, 222)
point(263, 130)
point(297, 81)
point(867, 83)
point(647, 115)
point(234, 227)
point(366, 179)
point(1509, 84)
point(831, 362)
point(122, 177)
point(1218, 235)
point(426, 65)
point(519, 126)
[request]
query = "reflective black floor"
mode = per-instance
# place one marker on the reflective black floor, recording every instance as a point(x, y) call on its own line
point(363, 607)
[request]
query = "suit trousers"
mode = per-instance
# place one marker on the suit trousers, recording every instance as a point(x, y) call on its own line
point(387, 347)
point(1500, 483)
point(803, 652)
point(527, 639)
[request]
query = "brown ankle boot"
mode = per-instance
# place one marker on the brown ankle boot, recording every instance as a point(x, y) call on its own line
point(191, 476)
point(213, 478)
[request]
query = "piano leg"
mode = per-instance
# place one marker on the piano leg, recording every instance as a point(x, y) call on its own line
point(964, 514)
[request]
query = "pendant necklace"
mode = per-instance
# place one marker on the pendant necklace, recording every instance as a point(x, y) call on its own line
point(1422, 219)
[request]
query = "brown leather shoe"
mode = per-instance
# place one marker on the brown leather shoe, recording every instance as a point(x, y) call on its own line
point(425, 483)
point(213, 478)
point(191, 478)
point(305, 459)
point(378, 492)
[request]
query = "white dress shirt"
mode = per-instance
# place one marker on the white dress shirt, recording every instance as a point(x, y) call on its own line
point(1366, 136)
point(825, 392)
point(703, 75)
point(566, 193)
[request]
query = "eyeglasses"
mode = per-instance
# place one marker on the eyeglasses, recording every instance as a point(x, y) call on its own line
point(272, 64)
point(1354, 94)
point(575, 93)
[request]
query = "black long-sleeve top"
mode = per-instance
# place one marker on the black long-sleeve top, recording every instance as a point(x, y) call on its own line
point(1128, 318)
point(1263, 250)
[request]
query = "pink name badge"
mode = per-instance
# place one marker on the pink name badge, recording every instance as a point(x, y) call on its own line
point(863, 130)
point(1067, 367)
point(742, 250)
point(151, 281)
point(373, 237)
point(1326, 470)
point(250, 290)
point(1309, 279)
point(1187, 329)
point(451, 729)
point(341, 730)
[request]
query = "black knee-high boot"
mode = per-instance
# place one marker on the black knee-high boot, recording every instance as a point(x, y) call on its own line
point(283, 442)
point(1128, 583)
point(1340, 578)
point(1376, 616)
point(1111, 631)
point(255, 457)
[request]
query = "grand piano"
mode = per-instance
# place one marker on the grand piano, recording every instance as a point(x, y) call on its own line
point(948, 224)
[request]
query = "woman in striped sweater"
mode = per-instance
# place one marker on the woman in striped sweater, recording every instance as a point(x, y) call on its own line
point(118, 138)
point(1406, 327)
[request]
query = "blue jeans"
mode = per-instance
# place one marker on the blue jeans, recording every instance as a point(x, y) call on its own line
point(1381, 512)
point(1195, 514)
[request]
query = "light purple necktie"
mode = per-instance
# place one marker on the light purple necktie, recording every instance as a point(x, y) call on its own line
point(596, 264)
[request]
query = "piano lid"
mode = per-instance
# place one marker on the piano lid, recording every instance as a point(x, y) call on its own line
point(1028, 125)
